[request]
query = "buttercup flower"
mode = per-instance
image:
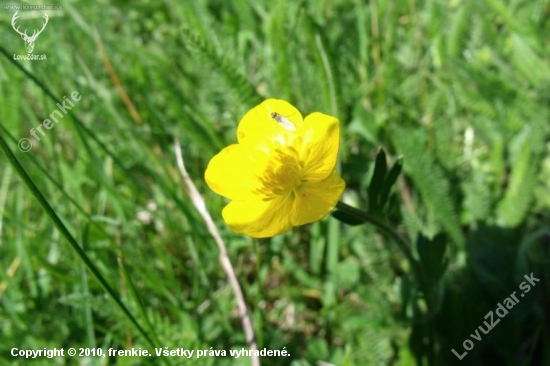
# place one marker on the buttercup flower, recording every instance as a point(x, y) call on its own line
point(281, 173)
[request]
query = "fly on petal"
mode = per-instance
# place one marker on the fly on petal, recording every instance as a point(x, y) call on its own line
point(274, 179)
point(283, 121)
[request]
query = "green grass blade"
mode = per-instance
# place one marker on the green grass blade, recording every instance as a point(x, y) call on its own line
point(29, 183)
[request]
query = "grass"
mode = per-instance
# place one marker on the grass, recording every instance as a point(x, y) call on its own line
point(459, 89)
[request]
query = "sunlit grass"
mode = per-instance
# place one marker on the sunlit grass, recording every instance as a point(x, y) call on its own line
point(459, 88)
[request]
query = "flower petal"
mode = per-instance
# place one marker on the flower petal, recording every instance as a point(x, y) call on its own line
point(259, 218)
point(315, 200)
point(259, 125)
point(230, 173)
point(320, 146)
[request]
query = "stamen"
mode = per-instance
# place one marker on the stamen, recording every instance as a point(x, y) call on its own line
point(282, 175)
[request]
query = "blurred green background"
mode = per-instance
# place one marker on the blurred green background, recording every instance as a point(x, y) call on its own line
point(461, 89)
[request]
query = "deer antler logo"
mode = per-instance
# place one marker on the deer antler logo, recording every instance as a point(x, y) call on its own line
point(29, 41)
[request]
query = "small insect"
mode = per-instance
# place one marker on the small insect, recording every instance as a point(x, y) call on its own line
point(283, 121)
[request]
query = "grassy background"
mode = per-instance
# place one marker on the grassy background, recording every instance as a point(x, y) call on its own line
point(460, 88)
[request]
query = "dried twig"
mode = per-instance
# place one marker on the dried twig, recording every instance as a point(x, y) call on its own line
point(114, 77)
point(199, 204)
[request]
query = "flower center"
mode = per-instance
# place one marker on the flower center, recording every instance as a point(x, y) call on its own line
point(282, 174)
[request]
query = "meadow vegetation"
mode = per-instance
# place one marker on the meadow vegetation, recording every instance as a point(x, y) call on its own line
point(459, 89)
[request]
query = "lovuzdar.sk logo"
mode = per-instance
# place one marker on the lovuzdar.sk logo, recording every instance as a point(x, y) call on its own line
point(29, 40)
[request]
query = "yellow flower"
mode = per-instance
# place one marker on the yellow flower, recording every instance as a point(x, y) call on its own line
point(281, 173)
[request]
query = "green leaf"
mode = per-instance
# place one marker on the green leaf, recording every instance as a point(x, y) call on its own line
point(429, 178)
point(381, 182)
point(377, 181)
point(431, 253)
point(514, 206)
point(347, 218)
point(390, 181)
point(205, 50)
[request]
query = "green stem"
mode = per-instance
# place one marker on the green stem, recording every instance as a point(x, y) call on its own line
point(405, 248)
point(68, 236)
point(401, 242)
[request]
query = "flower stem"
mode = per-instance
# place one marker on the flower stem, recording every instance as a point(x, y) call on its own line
point(401, 242)
point(405, 248)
